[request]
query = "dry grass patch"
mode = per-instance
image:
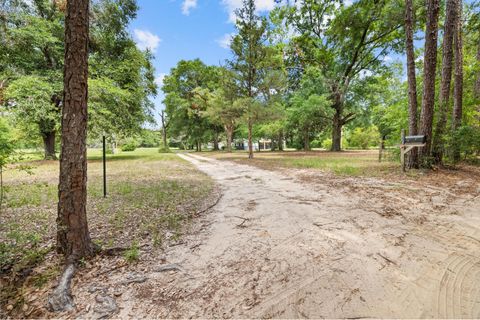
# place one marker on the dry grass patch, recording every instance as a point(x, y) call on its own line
point(151, 199)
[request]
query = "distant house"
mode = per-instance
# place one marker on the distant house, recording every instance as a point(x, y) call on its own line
point(259, 145)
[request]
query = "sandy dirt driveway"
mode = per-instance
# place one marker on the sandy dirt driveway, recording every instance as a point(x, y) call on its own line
point(275, 246)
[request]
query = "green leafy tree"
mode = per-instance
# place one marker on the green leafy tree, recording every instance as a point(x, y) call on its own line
point(309, 112)
point(6, 151)
point(346, 43)
point(32, 53)
point(250, 64)
point(185, 101)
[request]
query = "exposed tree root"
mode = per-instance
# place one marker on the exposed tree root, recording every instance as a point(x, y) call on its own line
point(61, 299)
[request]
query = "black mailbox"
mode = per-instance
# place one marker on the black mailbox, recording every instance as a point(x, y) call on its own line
point(414, 140)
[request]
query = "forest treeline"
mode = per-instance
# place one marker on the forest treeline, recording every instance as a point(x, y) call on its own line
point(121, 76)
point(312, 73)
point(331, 74)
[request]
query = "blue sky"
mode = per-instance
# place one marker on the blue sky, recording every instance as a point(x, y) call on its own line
point(186, 29)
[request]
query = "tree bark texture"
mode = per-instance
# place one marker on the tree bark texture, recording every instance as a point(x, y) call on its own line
point(229, 133)
point(216, 142)
point(429, 67)
point(73, 238)
point(250, 143)
point(49, 145)
point(337, 131)
point(412, 80)
point(458, 83)
point(306, 141)
point(446, 80)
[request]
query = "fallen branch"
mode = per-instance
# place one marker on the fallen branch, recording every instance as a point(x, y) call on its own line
point(209, 207)
point(241, 225)
point(387, 259)
point(61, 299)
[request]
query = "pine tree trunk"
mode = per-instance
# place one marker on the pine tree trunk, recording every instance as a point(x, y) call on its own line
point(337, 131)
point(412, 80)
point(458, 83)
point(444, 94)
point(49, 145)
point(250, 143)
point(229, 133)
point(73, 238)
point(215, 142)
point(430, 66)
point(306, 141)
point(164, 136)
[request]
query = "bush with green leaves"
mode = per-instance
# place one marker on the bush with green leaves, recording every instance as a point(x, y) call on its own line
point(130, 145)
point(6, 143)
point(364, 138)
point(466, 141)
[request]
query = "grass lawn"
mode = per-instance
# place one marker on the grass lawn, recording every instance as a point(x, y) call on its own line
point(348, 163)
point(151, 198)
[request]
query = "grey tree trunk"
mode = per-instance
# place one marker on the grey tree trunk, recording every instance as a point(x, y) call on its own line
point(458, 83)
point(429, 67)
point(337, 131)
point(229, 133)
point(73, 237)
point(444, 94)
point(412, 80)
point(306, 141)
point(49, 145)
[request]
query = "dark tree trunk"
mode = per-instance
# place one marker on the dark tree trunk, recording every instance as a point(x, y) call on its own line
point(250, 144)
point(215, 142)
point(337, 131)
point(163, 118)
point(306, 141)
point(458, 83)
point(429, 67)
point(444, 95)
point(412, 80)
point(73, 238)
point(49, 145)
point(229, 133)
point(164, 138)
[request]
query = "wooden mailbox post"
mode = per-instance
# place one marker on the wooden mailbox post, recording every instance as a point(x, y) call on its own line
point(408, 143)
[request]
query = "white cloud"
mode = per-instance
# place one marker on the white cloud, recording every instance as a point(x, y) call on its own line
point(146, 40)
point(365, 74)
point(226, 40)
point(159, 79)
point(387, 59)
point(232, 5)
point(188, 5)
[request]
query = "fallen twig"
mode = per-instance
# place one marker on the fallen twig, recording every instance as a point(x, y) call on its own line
point(387, 259)
point(241, 225)
point(209, 207)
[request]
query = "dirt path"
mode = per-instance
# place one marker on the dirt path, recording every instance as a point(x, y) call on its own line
point(276, 247)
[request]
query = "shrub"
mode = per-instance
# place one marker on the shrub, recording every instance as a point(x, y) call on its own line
point(466, 141)
point(130, 145)
point(364, 138)
point(327, 144)
point(164, 149)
